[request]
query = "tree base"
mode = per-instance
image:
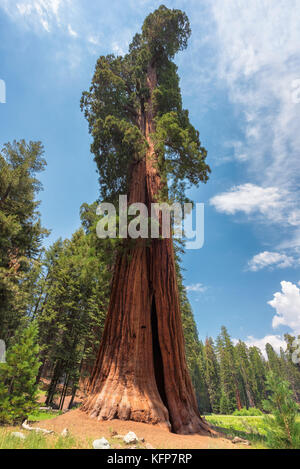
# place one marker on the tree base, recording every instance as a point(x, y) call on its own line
point(134, 405)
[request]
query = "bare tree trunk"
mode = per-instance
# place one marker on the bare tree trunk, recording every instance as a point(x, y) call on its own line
point(141, 372)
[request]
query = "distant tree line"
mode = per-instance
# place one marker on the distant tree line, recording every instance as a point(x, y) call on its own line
point(235, 376)
point(60, 295)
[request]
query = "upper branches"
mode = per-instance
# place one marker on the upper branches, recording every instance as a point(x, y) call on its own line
point(117, 102)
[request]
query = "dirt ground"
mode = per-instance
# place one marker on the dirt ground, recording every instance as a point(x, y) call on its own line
point(82, 426)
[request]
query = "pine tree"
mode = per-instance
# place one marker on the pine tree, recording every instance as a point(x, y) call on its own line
point(212, 375)
point(230, 393)
point(274, 362)
point(292, 370)
point(282, 430)
point(246, 372)
point(21, 232)
point(72, 312)
point(193, 347)
point(258, 370)
point(18, 388)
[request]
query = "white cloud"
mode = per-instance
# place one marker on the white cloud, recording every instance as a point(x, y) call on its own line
point(71, 31)
point(251, 198)
point(275, 340)
point(271, 259)
point(35, 13)
point(93, 40)
point(258, 60)
point(196, 287)
point(287, 306)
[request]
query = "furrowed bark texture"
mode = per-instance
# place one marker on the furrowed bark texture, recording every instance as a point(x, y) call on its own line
point(141, 373)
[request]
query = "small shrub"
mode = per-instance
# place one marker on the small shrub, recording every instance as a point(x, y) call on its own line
point(18, 389)
point(282, 429)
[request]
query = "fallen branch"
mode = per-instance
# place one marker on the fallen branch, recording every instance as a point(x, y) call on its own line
point(26, 426)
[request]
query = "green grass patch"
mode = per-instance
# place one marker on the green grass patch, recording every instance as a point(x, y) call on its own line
point(35, 440)
point(40, 415)
point(251, 428)
point(248, 427)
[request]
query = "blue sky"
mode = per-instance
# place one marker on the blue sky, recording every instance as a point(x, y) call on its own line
point(240, 79)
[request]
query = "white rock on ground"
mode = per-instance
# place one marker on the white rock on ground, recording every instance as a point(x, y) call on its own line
point(19, 435)
point(101, 444)
point(65, 433)
point(130, 438)
point(237, 439)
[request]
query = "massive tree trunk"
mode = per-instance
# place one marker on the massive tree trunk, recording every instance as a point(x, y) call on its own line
point(141, 372)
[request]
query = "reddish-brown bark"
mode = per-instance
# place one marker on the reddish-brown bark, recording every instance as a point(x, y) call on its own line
point(141, 373)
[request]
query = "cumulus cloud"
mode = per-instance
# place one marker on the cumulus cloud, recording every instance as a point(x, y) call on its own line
point(251, 198)
point(196, 287)
point(276, 341)
point(271, 259)
point(287, 306)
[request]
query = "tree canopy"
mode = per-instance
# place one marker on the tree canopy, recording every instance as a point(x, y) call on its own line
point(118, 96)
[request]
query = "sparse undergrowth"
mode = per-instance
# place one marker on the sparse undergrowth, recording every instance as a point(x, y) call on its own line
point(251, 428)
point(35, 440)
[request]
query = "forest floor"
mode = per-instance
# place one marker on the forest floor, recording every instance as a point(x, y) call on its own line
point(86, 429)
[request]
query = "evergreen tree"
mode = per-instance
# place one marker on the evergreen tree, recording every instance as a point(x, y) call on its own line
point(246, 373)
point(212, 375)
point(71, 315)
point(283, 432)
point(258, 370)
point(230, 393)
point(20, 231)
point(292, 370)
point(193, 347)
point(274, 362)
point(18, 389)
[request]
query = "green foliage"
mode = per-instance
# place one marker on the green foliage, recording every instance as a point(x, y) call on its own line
point(212, 376)
point(71, 314)
point(119, 97)
point(35, 440)
point(258, 370)
point(40, 415)
point(245, 375)
point(274, 363)
point(18, 389)
point(282, 429)
point(21, 232)
point(228, 373)
point(193, 347)
point(247, 412)
point(250, 428)
point(225, 405)
point(181, 155)
point(291, 369)
point(165, 32)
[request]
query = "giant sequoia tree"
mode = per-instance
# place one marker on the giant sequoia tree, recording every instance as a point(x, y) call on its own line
point(146, 147)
